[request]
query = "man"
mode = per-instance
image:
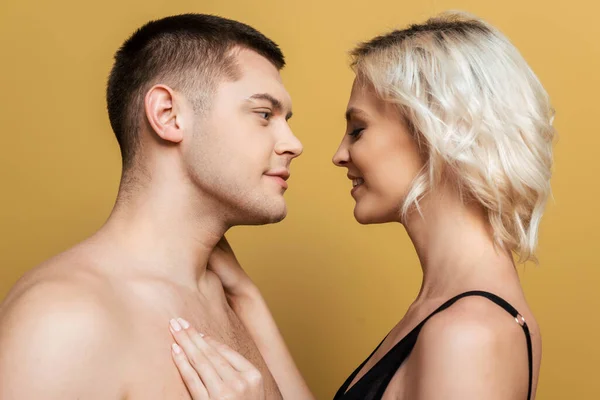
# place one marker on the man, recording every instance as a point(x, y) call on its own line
point(200, 113)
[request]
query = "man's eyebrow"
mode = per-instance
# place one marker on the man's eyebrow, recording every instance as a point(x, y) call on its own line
point(275, 103)
point(355, 112)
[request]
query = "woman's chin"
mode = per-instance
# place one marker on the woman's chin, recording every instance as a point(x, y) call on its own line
point(366, 216)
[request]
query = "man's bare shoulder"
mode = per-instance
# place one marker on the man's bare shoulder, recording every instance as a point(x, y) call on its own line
point(82, 269)
point(59, 335)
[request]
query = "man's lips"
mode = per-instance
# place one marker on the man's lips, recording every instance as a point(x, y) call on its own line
point(280, 175)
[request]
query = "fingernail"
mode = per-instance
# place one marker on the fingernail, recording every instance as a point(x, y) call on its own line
point(175, 325)
point(183, 323)
point(176, 348)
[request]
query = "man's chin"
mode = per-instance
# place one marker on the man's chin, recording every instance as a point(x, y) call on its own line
point(265, 217)
point(280, 217)
point(276, 216)
point(276, 212)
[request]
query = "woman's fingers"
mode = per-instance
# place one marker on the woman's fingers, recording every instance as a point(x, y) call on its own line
point(202, 365)
point(242, 378)
point(189, 375)
point(237, 361)
point(213, 370)
point(222, 365)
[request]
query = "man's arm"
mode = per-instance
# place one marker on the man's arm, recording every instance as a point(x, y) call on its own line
point(58, 341)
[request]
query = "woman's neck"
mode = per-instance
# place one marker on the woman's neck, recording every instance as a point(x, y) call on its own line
point(455, 245)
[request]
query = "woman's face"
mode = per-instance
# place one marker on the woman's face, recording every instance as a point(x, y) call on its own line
point(380, 154)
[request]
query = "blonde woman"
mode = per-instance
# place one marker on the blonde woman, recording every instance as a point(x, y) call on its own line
point(449, 133)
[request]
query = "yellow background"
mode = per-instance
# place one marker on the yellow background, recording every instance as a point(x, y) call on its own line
point(335, 287)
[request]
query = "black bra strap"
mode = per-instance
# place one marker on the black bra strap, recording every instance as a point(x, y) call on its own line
point(512, 311)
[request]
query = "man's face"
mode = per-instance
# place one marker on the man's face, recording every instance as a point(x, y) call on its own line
point(240, 151)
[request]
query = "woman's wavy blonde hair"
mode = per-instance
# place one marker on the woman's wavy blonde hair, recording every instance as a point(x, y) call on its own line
point(478, 112)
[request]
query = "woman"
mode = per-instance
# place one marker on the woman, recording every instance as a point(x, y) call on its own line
point(449, 133)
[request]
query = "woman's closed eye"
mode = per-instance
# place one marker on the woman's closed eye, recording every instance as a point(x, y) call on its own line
point(356, 132)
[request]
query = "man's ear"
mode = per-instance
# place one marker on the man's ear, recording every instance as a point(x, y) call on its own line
point(162, 113)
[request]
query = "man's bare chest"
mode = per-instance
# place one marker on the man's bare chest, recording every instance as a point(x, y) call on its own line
point(151, 370)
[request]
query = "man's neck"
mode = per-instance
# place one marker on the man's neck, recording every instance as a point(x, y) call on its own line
point(165, 232)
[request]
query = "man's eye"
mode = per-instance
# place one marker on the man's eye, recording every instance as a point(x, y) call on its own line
point(266, 115)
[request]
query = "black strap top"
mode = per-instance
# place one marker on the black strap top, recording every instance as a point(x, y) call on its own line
point(373, 384)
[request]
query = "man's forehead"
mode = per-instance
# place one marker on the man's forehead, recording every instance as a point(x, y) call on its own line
point(259, 89)
point(257, 76)
point(251, 62)
point(265, 88)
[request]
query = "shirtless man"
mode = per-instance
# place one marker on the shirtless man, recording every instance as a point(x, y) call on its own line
point(200, 113)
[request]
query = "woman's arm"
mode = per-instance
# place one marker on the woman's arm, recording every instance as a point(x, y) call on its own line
point(247, 302)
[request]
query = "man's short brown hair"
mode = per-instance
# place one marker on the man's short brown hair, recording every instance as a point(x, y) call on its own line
point(189, 52)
